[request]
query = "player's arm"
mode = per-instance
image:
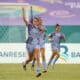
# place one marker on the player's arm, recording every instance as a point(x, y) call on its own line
point(64, 38)
point(41, 29)
point(49, 37)
point(24, 16)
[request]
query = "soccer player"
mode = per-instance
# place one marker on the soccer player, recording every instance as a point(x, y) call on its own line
point(34, 33)
point(55, 37)
point(42, 43)
point(29, 44)
point(42, 37)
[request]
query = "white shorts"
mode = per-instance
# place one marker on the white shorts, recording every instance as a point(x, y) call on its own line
point(42, 43)
point(36, 44)
point(55, 47)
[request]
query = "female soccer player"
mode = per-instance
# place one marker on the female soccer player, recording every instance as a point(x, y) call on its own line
point(29, 44)
point(42, 43)
point(55, 43)
point(42, 37)
point(34, 32)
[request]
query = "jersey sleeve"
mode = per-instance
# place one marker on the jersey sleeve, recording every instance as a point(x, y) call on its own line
point(50, 35)
point(62, 36)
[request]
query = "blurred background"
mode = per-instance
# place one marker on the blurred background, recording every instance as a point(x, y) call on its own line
point(13, 35)
point(13, 32)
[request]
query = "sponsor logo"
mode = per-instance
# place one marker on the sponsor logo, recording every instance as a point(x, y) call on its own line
point(12, 54)
point(63, 55)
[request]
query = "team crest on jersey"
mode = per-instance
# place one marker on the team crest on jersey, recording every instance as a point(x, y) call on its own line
point(58, 34)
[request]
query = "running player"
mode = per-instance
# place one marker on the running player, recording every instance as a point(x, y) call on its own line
point(55, 37)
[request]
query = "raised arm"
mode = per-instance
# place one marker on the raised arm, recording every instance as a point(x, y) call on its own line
point(24, 16)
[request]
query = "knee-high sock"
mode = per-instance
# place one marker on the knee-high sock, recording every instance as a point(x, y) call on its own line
point(44, 65)
point(33, 62)
point(38, 69)
point(50, 61)
point(55, 59)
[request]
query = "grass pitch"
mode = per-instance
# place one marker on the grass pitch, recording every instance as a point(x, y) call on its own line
point(60, 72)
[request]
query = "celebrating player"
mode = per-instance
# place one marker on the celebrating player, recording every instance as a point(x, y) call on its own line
point(42, 44)
point(33, 42)
point(29, 45)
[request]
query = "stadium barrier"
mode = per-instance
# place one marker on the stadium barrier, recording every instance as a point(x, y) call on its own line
point(17, 53)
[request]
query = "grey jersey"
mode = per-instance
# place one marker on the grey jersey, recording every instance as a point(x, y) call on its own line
point(56, 38)
point(35, 33)
point(43, 35)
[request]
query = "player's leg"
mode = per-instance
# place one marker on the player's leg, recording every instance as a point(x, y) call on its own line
point(37, 57)
point(57, 55)
point(36, 52)
point(51, 58)
point(56, 50)
point(27, 61)
point(42, 51)
point(30, 54)
point(33, 63)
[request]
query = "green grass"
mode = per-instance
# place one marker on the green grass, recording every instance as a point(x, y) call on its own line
point(60, 72)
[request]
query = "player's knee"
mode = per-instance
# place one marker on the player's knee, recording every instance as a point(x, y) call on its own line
point(37, 58)
point(43, 57)
point(58, 55)
point(30, 59)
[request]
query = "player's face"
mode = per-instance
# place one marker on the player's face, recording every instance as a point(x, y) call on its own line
point(40, 21)
point(57, 28)
point(35, 22)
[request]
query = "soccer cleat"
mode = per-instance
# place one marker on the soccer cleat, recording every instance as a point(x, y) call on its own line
point(24, 66)
point(44, 71)
point(32, 67)
point(38, 75)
